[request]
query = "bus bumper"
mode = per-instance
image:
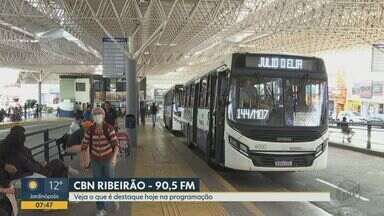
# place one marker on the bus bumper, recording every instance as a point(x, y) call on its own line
point(249, 162)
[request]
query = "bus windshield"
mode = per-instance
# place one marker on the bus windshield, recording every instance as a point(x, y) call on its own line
point(277, 102)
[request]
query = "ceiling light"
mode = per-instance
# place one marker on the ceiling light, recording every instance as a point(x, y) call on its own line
point(180, 69)
point(159, 44)
point(206, 48)
point(236, 38)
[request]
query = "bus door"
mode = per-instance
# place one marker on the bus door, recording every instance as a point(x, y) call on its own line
point(195, 105)
point(171, 109)
point(219, 120)
point(211, 118)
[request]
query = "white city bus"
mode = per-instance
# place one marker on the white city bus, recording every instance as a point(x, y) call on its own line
point(172, 108)
point(260, 112)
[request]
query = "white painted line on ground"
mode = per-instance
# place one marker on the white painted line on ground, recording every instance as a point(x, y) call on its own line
point(342, 189)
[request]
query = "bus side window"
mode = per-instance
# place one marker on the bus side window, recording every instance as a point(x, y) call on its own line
point(208, 101)
point(213, 89)
point(186, 96)
point(203, 93)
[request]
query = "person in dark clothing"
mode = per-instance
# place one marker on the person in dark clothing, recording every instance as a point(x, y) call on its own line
point(14, 152)
point(346, 130)
point(6, 170)
point(2, 114)
point(110, 114)
point(25, 111)
point(153, 113)
point(87, 116)
point(6, 189)
point(37, 111)
point(142, 113)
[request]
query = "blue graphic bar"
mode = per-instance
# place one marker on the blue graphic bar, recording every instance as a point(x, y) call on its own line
point(134, 185)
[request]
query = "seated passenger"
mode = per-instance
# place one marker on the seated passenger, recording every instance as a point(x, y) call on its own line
point(7, 192)
point(74, 141)
point(14, 152)
point(8, 203)
point(6, 170)
point(75, 125)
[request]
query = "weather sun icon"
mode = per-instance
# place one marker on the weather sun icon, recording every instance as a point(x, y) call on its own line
point(32, 185)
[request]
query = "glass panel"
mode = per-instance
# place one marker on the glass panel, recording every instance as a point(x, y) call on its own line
point(304, 102)
point(257, 101)
point(277, 102)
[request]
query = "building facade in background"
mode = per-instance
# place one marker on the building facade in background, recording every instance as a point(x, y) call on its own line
point(356, 77)
point(369, 97)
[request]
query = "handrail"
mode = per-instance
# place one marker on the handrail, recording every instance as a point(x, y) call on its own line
point(358, 123)
point(369, 125)
point(42, 131)
point(42, 145)
point(45, 146)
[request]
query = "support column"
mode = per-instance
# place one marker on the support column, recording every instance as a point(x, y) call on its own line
point(39, 91)
point(131, 102)
point(38, 105)
point(92, 93)
point(39, 86)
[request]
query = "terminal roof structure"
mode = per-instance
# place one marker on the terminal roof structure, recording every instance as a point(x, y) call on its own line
point(178, 35)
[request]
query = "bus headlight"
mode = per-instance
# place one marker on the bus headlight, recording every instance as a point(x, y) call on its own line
point(321, 148)
point(238, 145)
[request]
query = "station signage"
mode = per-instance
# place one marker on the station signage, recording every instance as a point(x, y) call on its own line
point(114, 59)
point(278, 62)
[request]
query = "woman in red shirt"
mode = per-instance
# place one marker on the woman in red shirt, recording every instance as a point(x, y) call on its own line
point(101, 140)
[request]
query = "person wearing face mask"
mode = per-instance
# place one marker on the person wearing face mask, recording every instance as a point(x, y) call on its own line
point(14, 152)
point(102, 143)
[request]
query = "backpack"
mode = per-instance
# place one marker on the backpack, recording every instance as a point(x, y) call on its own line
point(55, 169)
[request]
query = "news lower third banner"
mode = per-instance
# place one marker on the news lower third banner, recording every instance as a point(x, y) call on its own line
point(44, 194)
point(54, 194)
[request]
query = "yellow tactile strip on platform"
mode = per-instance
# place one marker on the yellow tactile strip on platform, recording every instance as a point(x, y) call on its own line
point(157, 157)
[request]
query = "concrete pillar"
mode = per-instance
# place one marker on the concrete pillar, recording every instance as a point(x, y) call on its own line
point(39, 91)
point(92, 93)
point(38, 106)
point(131, 102)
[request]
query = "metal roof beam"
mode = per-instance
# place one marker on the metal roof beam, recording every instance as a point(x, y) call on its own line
point(129, 55)
point(117, 17)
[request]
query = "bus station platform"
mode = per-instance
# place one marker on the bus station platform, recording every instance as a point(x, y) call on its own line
point(160, 154)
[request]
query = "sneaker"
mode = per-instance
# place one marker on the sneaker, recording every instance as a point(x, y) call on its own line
point(101, 213)
point(73, 171)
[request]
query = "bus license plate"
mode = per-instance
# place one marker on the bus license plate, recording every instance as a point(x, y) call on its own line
point(283, 163)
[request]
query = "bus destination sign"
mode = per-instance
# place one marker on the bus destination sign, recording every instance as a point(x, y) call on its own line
point(277, 62)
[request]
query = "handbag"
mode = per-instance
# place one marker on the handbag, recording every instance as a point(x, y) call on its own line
point(123, 140)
